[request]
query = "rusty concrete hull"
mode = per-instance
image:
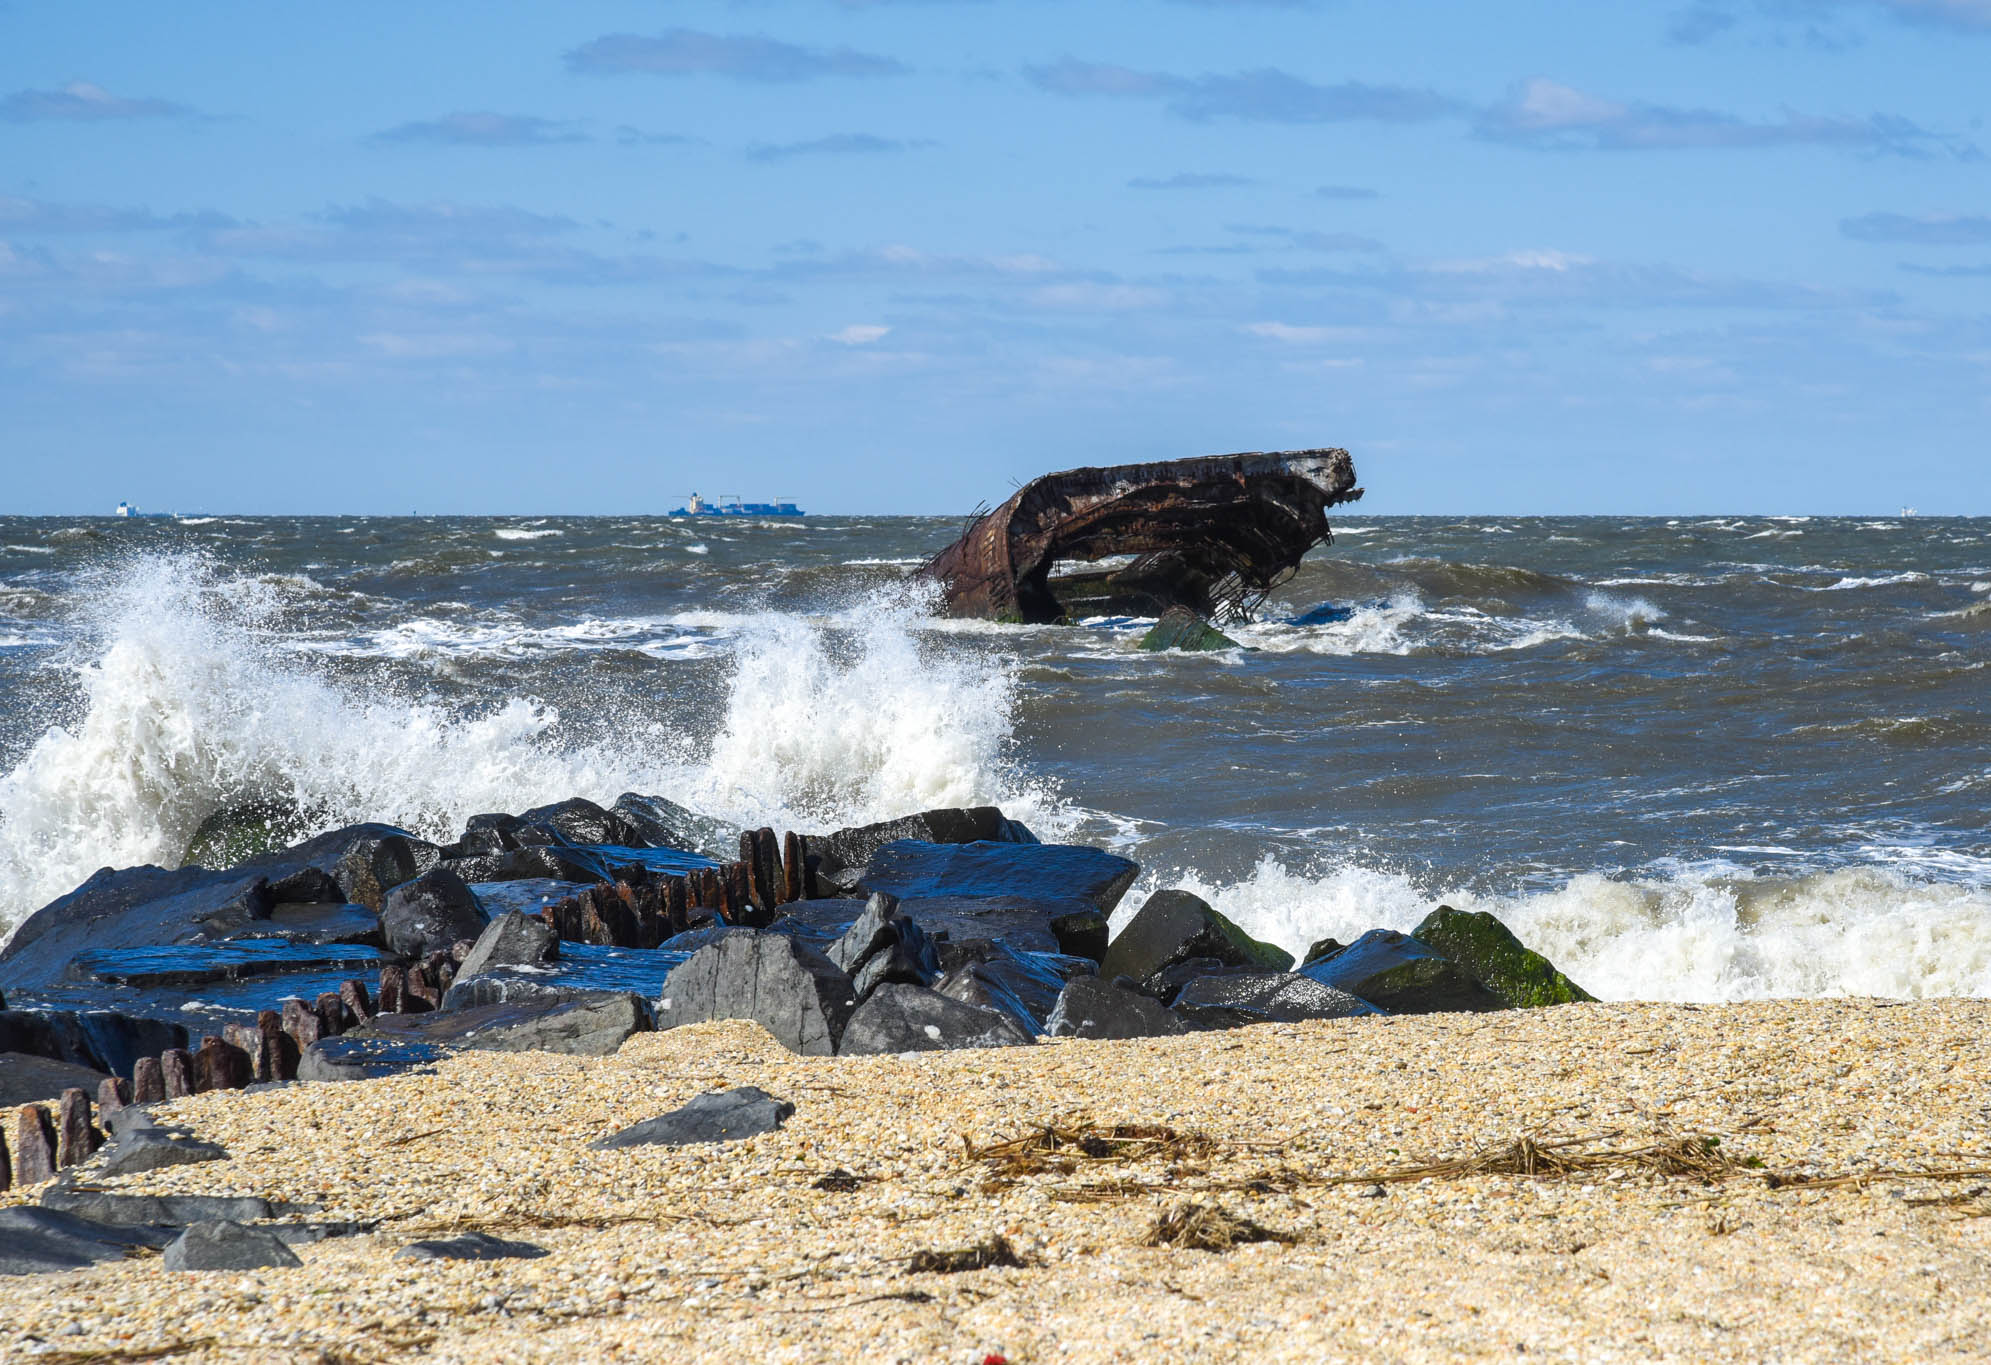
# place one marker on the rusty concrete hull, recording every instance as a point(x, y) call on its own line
point(1214, 534)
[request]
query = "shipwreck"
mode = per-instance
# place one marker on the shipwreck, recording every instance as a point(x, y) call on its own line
point(1212, 535)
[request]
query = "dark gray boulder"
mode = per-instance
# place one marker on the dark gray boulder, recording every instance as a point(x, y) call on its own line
point(659, 823)
point(1167, 983)
point(153, 1210)
point(901, 1018)
point(470, 1246)
point(790, 989)
point(377, 863)
point(885, 945)
point(1397, 973)
point(25, 1078)
point(840, 857)
point(1025, 923)
point(691, 940)
point(350, 1057)
point(1022, 983)
point(224, 1245)
point(315, 923)
point(1089, 1007)
point(578, 821)
point(1174, 926)
point(720, 1116)
point(35, 1240)
point(1241, 998)
point(153, 1148)
point(1489, 952)
point(1070, 874)
point(430, 913)
point(511, 940)
point(590, 1024)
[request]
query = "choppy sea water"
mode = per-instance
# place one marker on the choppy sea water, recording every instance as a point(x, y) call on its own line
point(1694, 759)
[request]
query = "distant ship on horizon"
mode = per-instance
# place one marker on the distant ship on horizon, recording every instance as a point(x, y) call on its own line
point(126, 509)
point(699, 507)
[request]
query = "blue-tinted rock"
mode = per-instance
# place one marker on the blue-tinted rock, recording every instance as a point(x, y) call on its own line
point(900, 1018)
point(316, 923)
point(840, 857)
point(200, 964)
point(721, 1116)
point(1397, 973)
point(227, 1246)
point(375, 864)
point(1024, 984)
point(1241, 998)
point(1091, 1008)
point(1067, 875)
point(528, 895)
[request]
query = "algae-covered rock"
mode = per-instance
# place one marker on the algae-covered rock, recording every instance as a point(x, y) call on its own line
point(1174, 926)
point(1503, 964)
point(240, 833)
point(1181, 628)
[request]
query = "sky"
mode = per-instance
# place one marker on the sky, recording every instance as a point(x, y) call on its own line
point(899, 256)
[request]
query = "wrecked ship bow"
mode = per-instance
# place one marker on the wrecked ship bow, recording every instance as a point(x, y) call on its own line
point(1213, 534)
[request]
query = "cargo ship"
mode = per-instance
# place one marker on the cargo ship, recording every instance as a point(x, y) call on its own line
point(699, 507)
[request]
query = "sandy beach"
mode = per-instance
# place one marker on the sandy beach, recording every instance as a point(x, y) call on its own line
point(745, 1251)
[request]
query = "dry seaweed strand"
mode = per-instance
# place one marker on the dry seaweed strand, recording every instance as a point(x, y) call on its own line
point(983, 1255)
point(1195, 1226)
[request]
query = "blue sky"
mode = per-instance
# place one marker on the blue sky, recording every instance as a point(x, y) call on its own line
point(896, 255)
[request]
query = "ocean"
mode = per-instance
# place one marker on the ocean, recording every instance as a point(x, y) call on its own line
point(1706, 758)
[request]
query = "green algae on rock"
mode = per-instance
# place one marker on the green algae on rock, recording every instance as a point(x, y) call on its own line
point(1488, 949)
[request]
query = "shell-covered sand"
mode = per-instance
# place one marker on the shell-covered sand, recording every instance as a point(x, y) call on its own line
point(731, 1252)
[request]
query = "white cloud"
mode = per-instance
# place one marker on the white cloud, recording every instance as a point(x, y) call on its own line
point(1284, 331)
point(860, 334)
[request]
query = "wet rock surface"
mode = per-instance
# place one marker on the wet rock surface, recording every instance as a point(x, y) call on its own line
point(430, 913)
point(1174, 926)
point(350, 1058)
point(1070, 875)
point(511, 940)
point(1487, 950)
point(1089, 1007)
point(1240, 998)
point(1397, 973)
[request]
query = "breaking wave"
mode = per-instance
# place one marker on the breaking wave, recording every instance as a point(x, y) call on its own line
point(184, 703)
point(1689, 936)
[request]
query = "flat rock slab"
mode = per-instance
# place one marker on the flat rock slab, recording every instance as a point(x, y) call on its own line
point(25, 1078)
point(227, 1246)
point(582, 970)
point(471, 1246)
point(154, 1210)
point(1240, 998)
point(591, 1025)
point(315, 924)
point(199, 964)
point(1065, 925)
point(350, 1057)
point(912, 870)
point(152, 1149)
point(36, 1240)
point(721, 1116)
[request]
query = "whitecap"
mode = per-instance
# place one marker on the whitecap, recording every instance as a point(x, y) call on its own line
point(520, 533)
